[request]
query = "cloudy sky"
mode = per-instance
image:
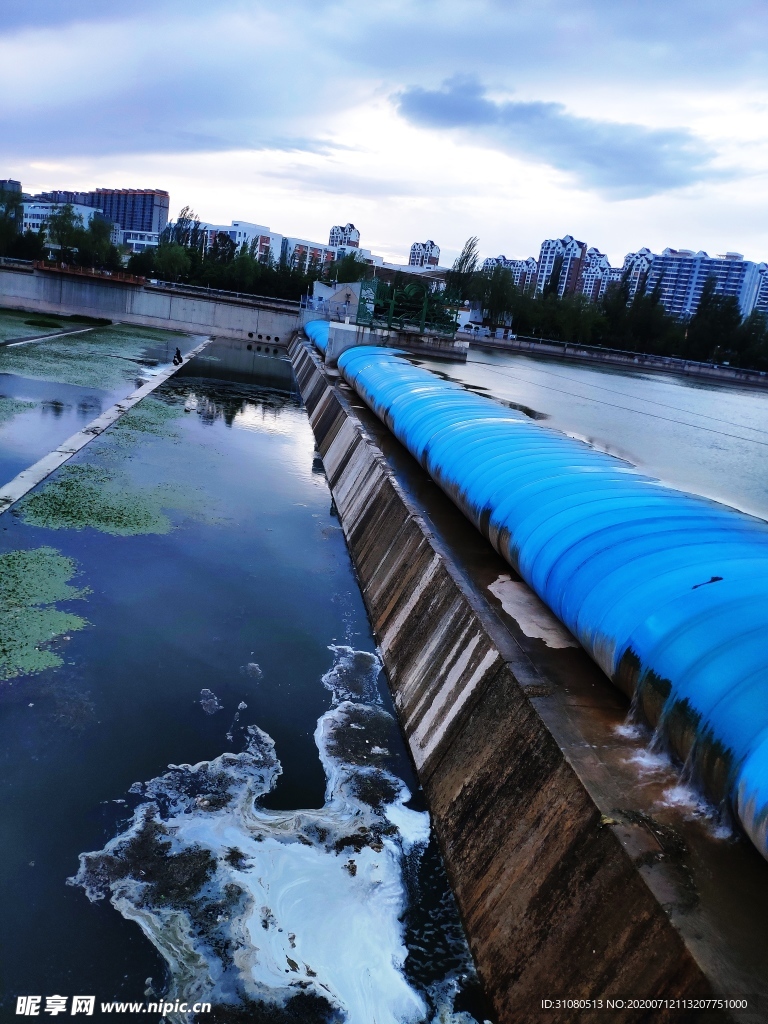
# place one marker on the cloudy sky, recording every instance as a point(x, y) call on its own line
point(641, 122)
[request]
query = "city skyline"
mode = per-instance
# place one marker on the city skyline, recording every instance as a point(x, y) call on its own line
point(642, 129)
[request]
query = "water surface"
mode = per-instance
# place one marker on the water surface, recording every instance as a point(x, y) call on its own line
point(214, 613)
point(708, 438)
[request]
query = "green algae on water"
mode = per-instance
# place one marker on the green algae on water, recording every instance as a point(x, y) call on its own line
point(31, 583)
point(102, 357)
point(83, 495)
point(10, 407)
point(150, 416)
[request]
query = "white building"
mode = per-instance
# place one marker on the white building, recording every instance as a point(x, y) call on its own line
point(523, 271)
point(139, 241)
point(37, 215)
point(569, 251)
point(761, 300)
point(594, 274)
point(636, 267)
point(680, 276)
point(614, 276)
point(258, 237)
point(424, 254)
point(348, 235)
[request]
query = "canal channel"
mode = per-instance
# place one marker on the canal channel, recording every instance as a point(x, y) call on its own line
point(205, 792)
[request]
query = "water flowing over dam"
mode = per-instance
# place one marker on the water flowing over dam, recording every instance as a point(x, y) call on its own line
point(665, 590)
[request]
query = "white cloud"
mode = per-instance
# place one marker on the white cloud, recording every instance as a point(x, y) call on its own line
point(282, 114)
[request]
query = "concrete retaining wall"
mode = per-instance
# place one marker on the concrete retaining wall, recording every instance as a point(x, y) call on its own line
point(549, 889)
point(146, 305)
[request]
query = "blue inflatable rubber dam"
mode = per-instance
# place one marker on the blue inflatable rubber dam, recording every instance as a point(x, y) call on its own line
point(317, 332)
point(667, 591)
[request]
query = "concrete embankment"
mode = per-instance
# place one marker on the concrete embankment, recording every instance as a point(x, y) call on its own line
point(562, 896)
point(226, 316)
point(630, 360)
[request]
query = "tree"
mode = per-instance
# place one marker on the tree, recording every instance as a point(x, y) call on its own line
point(10, 219)
point(498, 294)
point(553, 281)
point(713, 329)
point(95, 248)
point(348, 269)
point(460, 278)
point(29, 246)
point(185, 230)
point(63, 229)
point(142, 263)
point(171, 261)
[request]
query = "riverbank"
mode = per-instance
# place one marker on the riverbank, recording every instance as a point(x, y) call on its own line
point(617, 357)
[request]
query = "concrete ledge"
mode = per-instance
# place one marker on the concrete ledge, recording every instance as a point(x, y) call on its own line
point(549, 888)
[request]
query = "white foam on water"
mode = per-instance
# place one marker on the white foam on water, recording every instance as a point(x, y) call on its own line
point(649, 762)
point(628, 731)
point(248, 903)
point(210, 702)
point(695, 808)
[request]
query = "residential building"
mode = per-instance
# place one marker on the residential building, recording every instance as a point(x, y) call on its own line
point(569, 253)
point(424, 254)
point(594, 274)
point(761, 299)
point(613, 276)
point(134, 209)
point(301, 250)
point(9, 185)
point(681, 274)
point(636, 267)
point(523, 271)
point(346, 236)
point(139, 241)
point(37, 215)
point(257, 236)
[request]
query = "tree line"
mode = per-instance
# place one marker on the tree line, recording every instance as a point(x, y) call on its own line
point(184, 255)
point(75, 243)
point(717, 332)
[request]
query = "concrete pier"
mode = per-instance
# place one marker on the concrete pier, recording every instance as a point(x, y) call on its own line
point(568, 887)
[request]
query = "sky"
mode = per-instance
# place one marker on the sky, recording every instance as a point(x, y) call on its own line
point(638, 123)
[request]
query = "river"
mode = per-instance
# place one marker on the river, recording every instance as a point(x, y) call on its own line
point(711, 439)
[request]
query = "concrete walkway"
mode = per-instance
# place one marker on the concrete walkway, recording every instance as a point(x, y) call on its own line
point(13, 491)
point(11, 342)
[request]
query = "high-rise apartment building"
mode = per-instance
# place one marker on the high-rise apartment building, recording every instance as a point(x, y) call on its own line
point(680, 276)
point(569, 252)
point(635, 270)
point(761, 300)
point(348, 235)
point(424, 254)
point(134, 209)
point(523, 271)
point(594, 274)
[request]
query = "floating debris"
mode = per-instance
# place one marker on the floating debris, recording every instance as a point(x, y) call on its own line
point(210, 702)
